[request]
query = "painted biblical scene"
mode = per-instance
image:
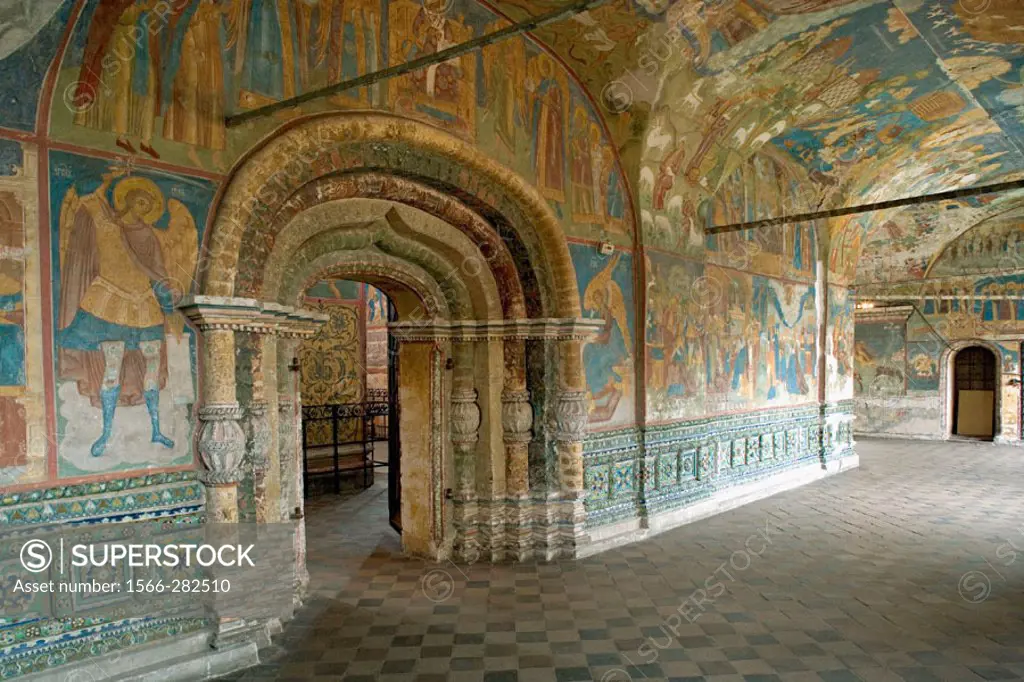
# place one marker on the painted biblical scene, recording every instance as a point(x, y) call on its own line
point(996, 244)
point(982, 47)
point(13, 256)
point(124, 250)
point(376, 321)
point(443, 93)
point(141, 80)
point(768, 186)
point(30, 33)
point(675, 337)
point(970, 235)
point(598, 195)
point(880, 355)
point(606, 293)
point(923, 365)
point(836, 99)
point(22, 440)
point(759, 343)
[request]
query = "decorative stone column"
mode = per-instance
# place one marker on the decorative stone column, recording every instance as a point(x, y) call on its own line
point(1009, 384)
point(257, 431)
point(222, 453)
point(221, 439)
point(571, 416)
point(517, 423)
point(464, 424)
point(291, 455)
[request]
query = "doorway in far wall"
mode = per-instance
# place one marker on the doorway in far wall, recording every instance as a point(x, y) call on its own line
point(974, 393)
point(349, 380)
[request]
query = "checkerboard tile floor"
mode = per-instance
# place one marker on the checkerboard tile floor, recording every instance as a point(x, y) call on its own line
point(907, 568)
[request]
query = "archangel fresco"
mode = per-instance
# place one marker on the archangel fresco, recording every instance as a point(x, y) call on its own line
point(125, 250)
point(606, 292)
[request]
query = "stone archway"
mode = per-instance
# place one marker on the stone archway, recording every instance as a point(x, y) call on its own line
point(479, 269)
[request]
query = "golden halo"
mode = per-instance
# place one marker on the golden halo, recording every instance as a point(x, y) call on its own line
point(137, 184)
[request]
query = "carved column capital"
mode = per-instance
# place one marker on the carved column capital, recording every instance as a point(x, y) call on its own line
point(516, 416)
point(221, 444)
point(465, 419)
point(570, 416)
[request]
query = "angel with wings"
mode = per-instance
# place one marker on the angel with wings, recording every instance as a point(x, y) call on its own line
point(607, 356)
point(121, 274)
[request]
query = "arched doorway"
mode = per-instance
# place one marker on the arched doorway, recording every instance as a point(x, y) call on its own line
point(975, 382)
point(348, 376)
point(487, 330)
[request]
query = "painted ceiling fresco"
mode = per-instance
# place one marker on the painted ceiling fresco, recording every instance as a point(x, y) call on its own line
point(924, 241)
point(856, 102)
point(842, 101)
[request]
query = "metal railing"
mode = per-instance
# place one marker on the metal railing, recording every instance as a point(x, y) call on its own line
point(339, 439)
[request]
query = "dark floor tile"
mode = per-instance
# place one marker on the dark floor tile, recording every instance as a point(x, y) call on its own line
point(394, 667)
point(467, 664)
point(501, 676)
point(572, 675)
point(839, 676)
point(917, 675)
point(992, 672)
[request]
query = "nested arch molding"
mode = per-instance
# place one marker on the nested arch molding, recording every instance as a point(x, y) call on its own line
point(413, 293)
point(247, 219)
point(368, 229)
point(520, 294)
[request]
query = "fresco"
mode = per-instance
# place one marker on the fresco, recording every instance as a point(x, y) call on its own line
point(719, 339)
point(13, 253)
point(982, 50)
point(22, 441)
point(840, 344)
point(899, 363)
point(992, 245)
point(880, 358)
point(606, 293)
point(138, 82)
point(376, 324)
point(922, 366)
point(444, 92)
point(765, 187)
point(674, 335)
point(829, 102)
point(125, 248)
point(969, 235)
point(331, 362)
point(29, 35)
point(350, 353)
point(760, 345)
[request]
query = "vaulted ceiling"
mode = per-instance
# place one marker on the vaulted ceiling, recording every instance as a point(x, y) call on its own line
point(871, 99)
point(856, 100)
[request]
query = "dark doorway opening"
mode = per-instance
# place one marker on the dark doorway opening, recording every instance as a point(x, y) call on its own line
point(394, 440)
point(349, 375)
point(974, 393)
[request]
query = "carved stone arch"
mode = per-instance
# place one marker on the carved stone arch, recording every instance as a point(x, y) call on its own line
point(468, 383)
point(516, 276)
point(363, 265)
point(371, 226)
point(334, 142)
